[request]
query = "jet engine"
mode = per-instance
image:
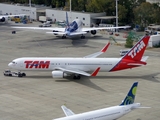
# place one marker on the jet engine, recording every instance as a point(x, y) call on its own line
point(2, 19)
point(58, 74)
point(93, 32)
point(55, 31)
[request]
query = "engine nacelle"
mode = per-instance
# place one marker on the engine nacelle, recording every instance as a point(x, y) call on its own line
point(93, 32)
point(2, 19)
point(58, 74)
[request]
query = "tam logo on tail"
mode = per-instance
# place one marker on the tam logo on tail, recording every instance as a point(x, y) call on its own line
point(137, 49)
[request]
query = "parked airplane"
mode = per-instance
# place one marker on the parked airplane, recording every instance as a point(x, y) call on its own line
point(4, 18)
point(111, 113)
point(73, 29)
point(62, 67)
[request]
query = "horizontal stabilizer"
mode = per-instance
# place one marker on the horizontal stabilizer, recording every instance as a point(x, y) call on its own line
point(67, 111)
point(135, 64)
point(144, 107)
point(144, 58)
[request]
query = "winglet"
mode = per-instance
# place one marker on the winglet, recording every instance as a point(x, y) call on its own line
point(95, 72)
point(105, 47)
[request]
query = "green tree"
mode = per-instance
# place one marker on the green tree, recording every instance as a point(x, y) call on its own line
point(145, 14)
point(122, 12)
point(129, 42)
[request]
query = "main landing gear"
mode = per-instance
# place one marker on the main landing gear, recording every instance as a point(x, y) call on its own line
point(63, 37)
point(82, 37)
point(77, 77)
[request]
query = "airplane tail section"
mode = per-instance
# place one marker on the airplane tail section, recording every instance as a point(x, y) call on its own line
point(137, 51)
point(131, 95)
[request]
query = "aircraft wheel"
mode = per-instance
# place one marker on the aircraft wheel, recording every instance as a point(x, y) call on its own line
point(82, 37)
point(77, 77)
point(23, 74)
point(20, 75)
point(63, 37)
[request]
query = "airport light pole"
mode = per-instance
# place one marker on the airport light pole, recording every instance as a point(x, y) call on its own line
point(116, 15)
point(30, 9)
point(70, 10)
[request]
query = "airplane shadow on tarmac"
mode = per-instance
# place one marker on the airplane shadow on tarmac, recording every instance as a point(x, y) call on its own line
point(83, 81)
point(87, 82)
point(150, 77)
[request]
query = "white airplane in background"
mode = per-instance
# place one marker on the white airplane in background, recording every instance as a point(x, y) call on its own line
point(111, 113)
point(4, 18)
point(62, 67)
point(73, 29)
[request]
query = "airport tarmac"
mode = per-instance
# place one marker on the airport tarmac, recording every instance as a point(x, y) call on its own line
point(39, 97)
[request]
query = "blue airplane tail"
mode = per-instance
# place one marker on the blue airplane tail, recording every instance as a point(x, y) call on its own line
point(131, 95)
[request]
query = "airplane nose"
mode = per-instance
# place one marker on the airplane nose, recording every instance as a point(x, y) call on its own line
point(10, 64)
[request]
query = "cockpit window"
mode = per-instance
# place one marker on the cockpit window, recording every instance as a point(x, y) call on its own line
point(13, 62)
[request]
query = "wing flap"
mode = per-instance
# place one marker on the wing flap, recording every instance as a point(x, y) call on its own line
point(67, 111)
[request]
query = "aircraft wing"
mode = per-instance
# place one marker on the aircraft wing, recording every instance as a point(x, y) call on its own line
point(103, 28)
point(43, 28)
point(67, 111)
point(94, 55)
point(12, 15)
point(78, 33)
point(16, 15)
point(76, 71)
point(58, 33)
point(63, 33)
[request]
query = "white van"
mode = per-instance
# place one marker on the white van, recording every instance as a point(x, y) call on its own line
point(123, 52)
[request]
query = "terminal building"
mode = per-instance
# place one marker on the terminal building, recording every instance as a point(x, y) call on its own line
point(56, 15)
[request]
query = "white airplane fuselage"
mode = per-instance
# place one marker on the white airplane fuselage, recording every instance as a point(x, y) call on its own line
point(110, 113)
point(50, 64)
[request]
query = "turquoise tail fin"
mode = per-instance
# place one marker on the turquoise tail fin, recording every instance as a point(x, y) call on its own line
point(131, 95)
